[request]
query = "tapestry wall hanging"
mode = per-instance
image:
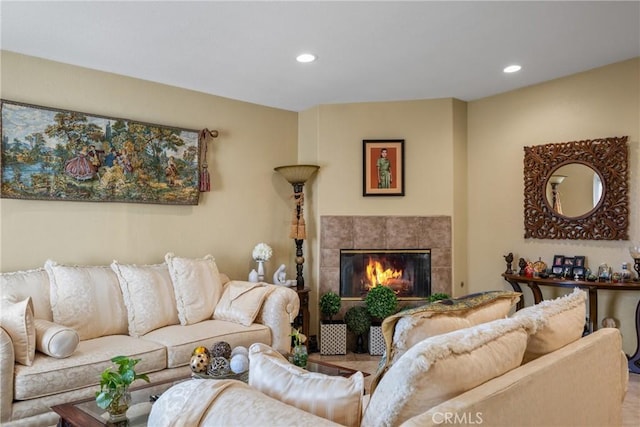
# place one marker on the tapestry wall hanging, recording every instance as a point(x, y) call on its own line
point(52, 154)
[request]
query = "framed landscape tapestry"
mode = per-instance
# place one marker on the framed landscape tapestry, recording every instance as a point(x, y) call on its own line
point(51, 154)
point(383, 167)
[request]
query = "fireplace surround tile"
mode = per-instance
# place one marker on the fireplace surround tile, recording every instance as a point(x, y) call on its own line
point(385, 232)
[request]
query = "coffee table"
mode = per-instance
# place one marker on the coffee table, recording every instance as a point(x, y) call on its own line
point(85, 413)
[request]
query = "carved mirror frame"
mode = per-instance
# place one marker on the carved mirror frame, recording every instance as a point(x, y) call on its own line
point(609, 220)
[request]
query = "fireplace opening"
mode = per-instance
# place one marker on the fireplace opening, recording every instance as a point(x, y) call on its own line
point(406, 271)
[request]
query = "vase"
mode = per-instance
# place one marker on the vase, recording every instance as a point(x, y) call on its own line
point(300, 356)
point(260, 271)
point(118, 408)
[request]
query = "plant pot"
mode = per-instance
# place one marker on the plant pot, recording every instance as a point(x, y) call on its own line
point(118, 408)
point(333, 338)
point(376, 341)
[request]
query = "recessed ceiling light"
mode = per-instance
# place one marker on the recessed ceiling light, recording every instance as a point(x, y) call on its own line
point(306, 57)
point(512, 68)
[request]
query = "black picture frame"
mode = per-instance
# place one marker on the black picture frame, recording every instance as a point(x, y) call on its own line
point(558, 260)
point(391, 182)
point(579, 261)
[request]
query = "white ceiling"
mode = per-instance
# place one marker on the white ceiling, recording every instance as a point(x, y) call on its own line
point(367, 50)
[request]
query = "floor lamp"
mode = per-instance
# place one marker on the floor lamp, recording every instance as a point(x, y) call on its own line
point(297, 175)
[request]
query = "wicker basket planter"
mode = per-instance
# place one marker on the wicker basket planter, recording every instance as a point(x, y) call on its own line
point(333, 338)
point(376, 341)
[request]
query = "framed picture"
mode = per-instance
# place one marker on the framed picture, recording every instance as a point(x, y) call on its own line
point(53, 154)
point(578, 271)
point(579, 261)
point(558, 260)
point(383, 167)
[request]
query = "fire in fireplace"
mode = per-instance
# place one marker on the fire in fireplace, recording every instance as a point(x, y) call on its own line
point(406, 271)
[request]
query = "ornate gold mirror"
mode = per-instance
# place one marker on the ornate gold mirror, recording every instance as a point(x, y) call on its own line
point(577, 190)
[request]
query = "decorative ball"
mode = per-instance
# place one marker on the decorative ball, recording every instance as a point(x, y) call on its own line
point(221, 349)
point(199, 362)
point(239, 363)
point(218, 366)
point(239, 350)
point(200, 350)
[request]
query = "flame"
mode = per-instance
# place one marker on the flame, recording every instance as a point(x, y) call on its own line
point(378, 275)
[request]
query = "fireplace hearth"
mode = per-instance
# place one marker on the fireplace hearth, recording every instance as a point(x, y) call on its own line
point(406, 271)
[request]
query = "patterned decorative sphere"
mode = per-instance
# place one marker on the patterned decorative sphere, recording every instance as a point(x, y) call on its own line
point(239, 350)
point(239, 363)
point(221, 349)
point(218, 366)
point(199, 363)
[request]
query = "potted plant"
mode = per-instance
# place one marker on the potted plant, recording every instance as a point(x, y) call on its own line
point(381, 301)
point(114, 387)
point(333, 334)
point(300, 354)
point(358, 321)
point(437, 297)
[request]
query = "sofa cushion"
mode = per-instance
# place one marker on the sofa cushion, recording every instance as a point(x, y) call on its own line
point(332, 397)
point(241, 301)
point(181, 340)
point(48, 375)
point(197, 287)
point(557, 322)
point(148, 295)
point(55, 340)
point(87, 299)
point(445, 366)
point(18, 285)
point(16, 318)
point(414, 325)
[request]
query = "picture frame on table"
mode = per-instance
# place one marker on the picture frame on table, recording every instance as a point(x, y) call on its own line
point(558, 265)
point(579, 261)
point(383, 167)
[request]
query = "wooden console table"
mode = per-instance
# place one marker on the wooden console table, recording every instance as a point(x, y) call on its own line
point(534, 284)
point(303, 319)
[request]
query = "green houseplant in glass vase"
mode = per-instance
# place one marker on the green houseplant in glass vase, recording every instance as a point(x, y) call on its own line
point(300, 354)
point(114, 394)
point(381, 301)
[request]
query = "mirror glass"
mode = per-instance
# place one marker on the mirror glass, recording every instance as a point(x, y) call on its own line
point(574, 190)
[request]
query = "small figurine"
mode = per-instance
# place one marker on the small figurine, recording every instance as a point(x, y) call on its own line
point(522, 264)
point(509, 259)
point(280, 276)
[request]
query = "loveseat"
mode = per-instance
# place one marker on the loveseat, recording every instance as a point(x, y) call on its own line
point(61, 325)
point(532, 368)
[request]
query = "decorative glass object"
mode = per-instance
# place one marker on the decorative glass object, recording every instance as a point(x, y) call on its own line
point(300, 356)
point(118, 408)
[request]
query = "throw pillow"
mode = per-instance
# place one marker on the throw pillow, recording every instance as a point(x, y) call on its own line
point(148, 295)
point(19, 285)
point(558, 322)
point(241, 301)
point(55, 340)
point(16, 318)
point(197, 287)
point(444, 366)
point(332, 397)
point(87, 299)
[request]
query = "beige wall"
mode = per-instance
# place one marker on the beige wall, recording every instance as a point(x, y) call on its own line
point(599, 103)
point(249, 202)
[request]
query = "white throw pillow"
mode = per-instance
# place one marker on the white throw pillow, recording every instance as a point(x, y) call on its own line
point(16, 318)
point(197, 287)
point(241, 301)
point(558, 322)
point(87, 299)
point(444, 366)
point(148, 295)
point(18, 285)
point(55, 340)
point(335, 398)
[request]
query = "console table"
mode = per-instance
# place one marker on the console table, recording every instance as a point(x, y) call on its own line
point(302, 320)
point(592, 288)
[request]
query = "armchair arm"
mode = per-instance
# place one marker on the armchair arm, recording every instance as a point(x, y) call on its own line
point(7, 362)
point(278, 311)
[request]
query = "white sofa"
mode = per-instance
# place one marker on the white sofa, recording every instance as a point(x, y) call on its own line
point(530, 369)
point(62, 324)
